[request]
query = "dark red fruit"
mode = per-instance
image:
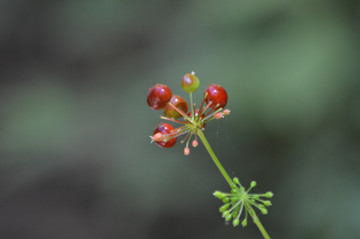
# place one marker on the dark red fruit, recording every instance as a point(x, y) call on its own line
point(179, 103)
point(217, 95)
point(159, 96)
point(165, 129)
point(190, 83)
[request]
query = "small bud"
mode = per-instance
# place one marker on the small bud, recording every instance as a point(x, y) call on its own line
point(228, 217)
point(235, 213)
point(263, 210)
point(218, 194)
point(236, 180)
point(267, 203)
point(253, 184)
point(244, 222)
point(234, 191)
point(236, 222)
point(195, 143)
point(225, 200)
point(186, 151)
point(158, 137)
point(269, 194)
point(256, 196)
point(224, 207)
point(226, 112)
point(226, 213)
point(219, 115)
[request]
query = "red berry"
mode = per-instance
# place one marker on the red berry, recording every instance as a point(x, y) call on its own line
point(190, 83)
point(164, 129)
point(179, 103)
point(217, 95)
point(158, 96)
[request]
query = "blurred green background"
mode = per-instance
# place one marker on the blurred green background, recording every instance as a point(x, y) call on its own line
point(75, 154)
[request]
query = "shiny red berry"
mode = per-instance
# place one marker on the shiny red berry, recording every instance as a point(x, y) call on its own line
point(165, 129)
point(190, 83)
point(159, 96)
point(217, 95)
point(179, 103)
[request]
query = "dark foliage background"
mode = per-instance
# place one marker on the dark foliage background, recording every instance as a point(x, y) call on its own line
point(75, 157)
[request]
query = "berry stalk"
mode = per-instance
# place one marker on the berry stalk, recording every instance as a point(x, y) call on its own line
point(230, 182)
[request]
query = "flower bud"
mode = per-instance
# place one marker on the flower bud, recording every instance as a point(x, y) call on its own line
point(228, 217)
point(244, 222)
point(186, 151)
point(158, 137)
point(269, 194)
point(236, 180)
point(263, 210)
point(236, 222)
point(224, 207)
point(226, 112)
point(218, 194)
point(253, 184)
point(226, 213)
point(225, 200)
point(219, 115)
point(195, 143)
point(267, 203)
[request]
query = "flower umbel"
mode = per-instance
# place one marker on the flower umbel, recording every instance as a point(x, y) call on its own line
point(239, 201)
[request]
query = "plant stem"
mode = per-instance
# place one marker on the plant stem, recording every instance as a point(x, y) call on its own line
point(257, 222)
point(229, 181)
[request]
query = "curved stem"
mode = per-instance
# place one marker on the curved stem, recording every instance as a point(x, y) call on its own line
point(214, 158)
point(229, 181)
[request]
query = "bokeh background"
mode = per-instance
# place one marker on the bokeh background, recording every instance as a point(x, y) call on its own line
point(75, 156)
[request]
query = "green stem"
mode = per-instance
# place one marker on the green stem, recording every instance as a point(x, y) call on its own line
point(229, 181)
point(214, 158)
point(258, 223)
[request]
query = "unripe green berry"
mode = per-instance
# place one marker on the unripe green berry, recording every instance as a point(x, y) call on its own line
point(269, 194)
point(225, 200)
point(224, 207)
point(236, 222)
point(226, 213)
point(267, 203)
point(253, 184)
point(228, 217)
point(218, 194)
point(190, 83)
point(263, 210)
point(244, 222)
point(236, 180)
point(234, 191)
point(235, 213)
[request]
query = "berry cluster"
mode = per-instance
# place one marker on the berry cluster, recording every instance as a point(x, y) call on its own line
point(238, 199)
point(175, 107)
